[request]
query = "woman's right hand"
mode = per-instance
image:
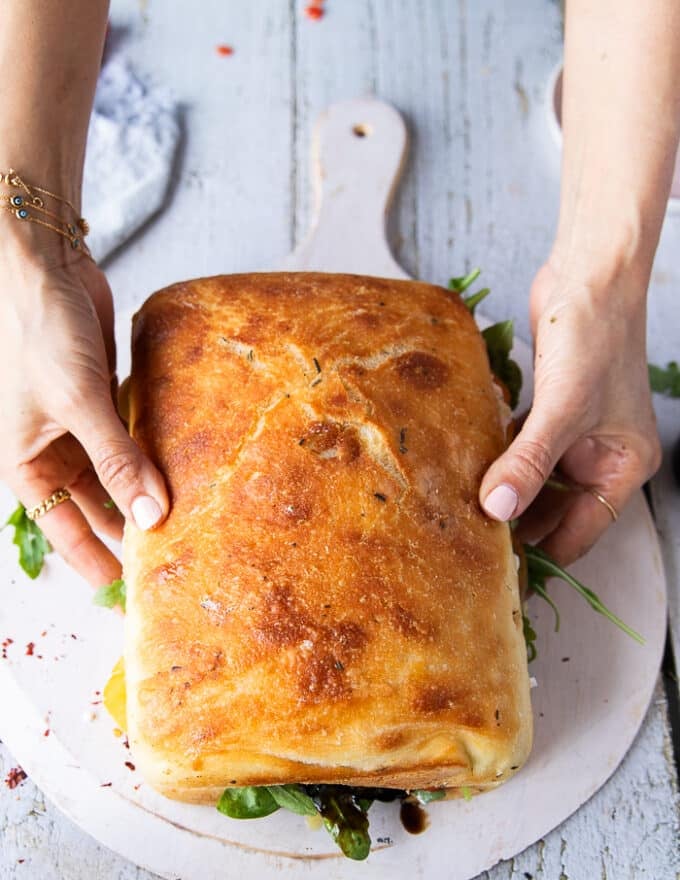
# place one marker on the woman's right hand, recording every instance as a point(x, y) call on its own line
point(60, 428)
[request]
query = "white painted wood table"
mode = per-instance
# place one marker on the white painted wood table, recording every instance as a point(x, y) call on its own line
point(481, 188)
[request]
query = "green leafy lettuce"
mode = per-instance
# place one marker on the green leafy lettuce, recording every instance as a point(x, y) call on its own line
point(33, 545)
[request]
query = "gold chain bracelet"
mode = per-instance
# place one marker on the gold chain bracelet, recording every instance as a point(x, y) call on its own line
point(28, 206)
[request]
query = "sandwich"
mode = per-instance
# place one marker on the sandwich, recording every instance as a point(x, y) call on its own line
point(327, 615)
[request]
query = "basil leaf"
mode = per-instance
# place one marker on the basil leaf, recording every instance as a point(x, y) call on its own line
point(425, 796)
point(250, 802)
point(665, 381)
point(291, 797)
point(111, 595)
point(33, 545)
point(541, 566)
point(498, 339)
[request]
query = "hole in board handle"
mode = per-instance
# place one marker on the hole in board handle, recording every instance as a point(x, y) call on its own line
point(361, 130)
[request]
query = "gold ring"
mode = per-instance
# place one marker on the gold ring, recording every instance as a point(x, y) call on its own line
point(610, 507)
point(57, 497)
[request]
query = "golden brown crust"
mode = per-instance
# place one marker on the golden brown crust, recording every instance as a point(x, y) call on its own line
point(326, 601)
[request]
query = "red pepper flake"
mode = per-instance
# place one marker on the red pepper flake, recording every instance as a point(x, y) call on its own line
point(126, 743)
point(314, 12)
point(47, 732)
point(130, 765)
point(20, 861)
point(43, 634)
point(74, 636)
point(15, 777)
point(39, 656)
point(29, 649)
point(224, 51)
point(106, 785)
point(138, 786)
point(97, 693)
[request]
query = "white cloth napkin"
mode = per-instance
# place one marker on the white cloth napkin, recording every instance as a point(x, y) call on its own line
point(133, 137)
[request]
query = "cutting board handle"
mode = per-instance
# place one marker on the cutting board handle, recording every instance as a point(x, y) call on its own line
point(358, 155)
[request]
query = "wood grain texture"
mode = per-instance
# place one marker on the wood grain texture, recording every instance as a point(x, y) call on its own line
point(481, 188)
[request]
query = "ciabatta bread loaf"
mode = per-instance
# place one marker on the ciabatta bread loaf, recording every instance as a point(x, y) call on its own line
point(326, 601)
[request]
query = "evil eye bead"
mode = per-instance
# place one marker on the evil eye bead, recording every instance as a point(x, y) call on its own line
point(17, 201)
point(71, 228)
point(22, 214)
point(75, 243)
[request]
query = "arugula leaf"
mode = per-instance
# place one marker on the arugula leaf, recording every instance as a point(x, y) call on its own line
point(291, 797)
point(343, 816)
point(665, 381)
point(425, 795)
point(111, 595)
point(538, 586)
point(498, 339)
point(342, 808)
point(347, 824)
point(249, 802)
point(541, 566)
point(462, 283)
point(33, 545)
point(471, 302)
point(530, 639)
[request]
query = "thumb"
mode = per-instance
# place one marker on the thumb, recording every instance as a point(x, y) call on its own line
point(515, 479)
point(132, 481)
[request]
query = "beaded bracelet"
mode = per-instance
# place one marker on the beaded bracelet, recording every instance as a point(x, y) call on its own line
point(30, 207)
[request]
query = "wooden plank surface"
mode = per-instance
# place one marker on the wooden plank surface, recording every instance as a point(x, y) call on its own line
point(481, 188)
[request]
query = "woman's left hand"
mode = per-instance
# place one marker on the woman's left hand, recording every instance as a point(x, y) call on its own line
point(591, 419)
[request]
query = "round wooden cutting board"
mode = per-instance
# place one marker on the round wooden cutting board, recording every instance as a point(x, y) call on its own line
point(593, 682)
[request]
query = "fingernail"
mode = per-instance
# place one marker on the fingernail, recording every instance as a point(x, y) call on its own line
point(145, 512)
point(501, 502)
